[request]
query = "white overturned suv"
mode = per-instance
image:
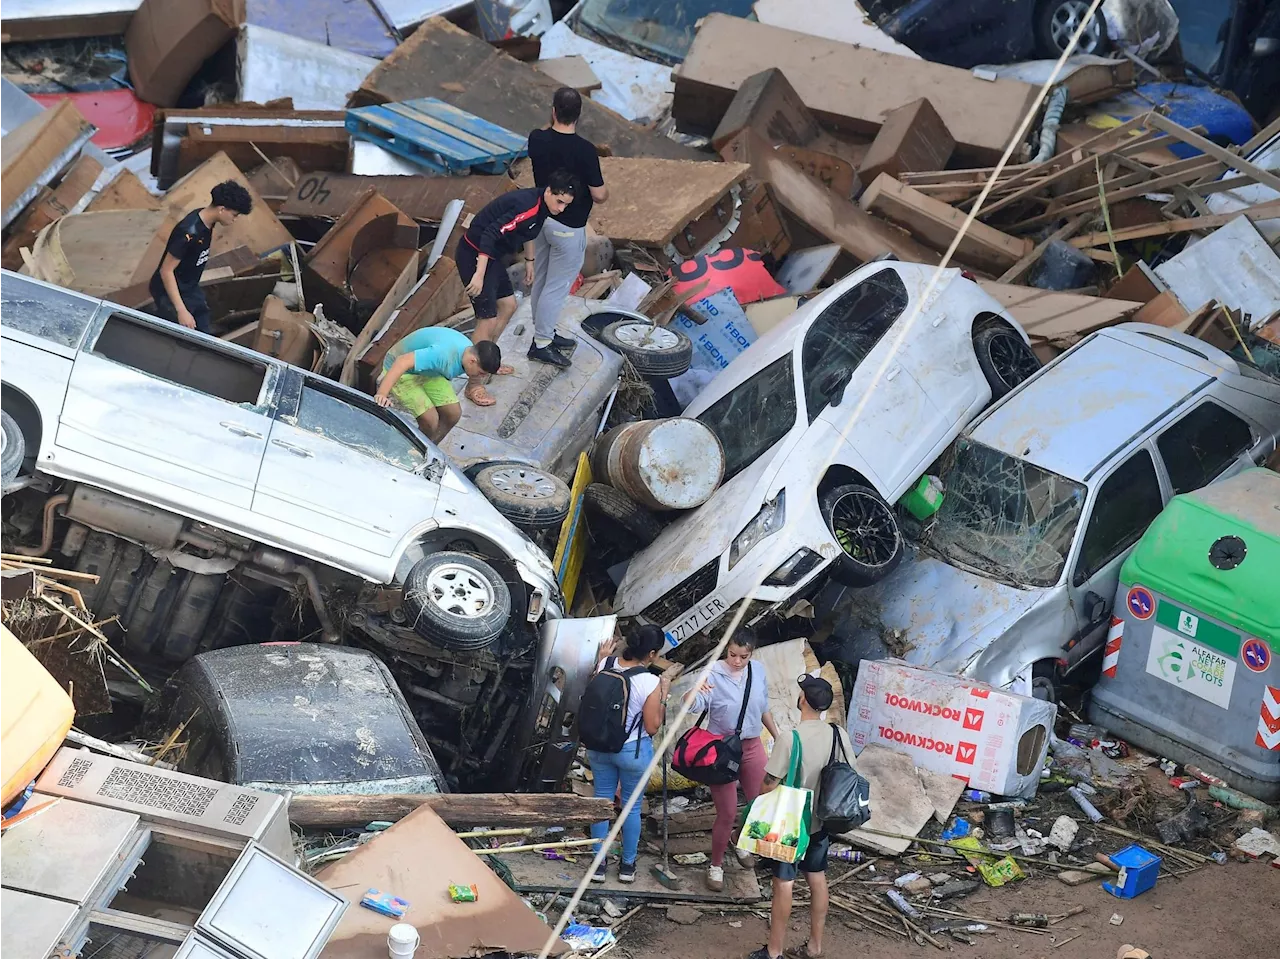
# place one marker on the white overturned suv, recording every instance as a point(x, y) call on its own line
point(224, 497)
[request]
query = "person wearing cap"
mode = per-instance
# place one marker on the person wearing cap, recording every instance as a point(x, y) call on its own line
point(815, 698)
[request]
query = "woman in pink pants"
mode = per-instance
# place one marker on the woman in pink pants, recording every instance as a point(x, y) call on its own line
point(731, 681)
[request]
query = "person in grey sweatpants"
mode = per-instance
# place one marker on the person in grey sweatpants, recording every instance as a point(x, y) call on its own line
point(560, 247)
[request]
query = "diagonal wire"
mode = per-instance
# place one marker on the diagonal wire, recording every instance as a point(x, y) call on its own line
point(904, 331)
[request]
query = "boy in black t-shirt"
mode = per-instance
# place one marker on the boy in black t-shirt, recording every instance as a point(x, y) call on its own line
point(562, 244)
point(175, 285)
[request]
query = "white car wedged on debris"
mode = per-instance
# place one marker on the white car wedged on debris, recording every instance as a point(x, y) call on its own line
point(807, 490)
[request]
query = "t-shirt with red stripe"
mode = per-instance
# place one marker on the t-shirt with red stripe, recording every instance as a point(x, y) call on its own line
point(507, 223)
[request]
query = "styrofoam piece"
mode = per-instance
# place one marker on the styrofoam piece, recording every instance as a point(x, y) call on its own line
point(1233, 265)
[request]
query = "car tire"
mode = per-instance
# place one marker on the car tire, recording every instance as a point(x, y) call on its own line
point(1004, 358)
point(616, 507)
point(652, 350)
point(1056, 21)
point(456, 601)
point(874, 553)
point(530, 497)
point(13, 449)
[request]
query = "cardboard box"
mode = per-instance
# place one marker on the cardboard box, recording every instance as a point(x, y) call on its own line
point(169, 40)
point(992, 739)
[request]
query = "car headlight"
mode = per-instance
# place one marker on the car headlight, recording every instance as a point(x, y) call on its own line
point(798, 565)
point(763, 525)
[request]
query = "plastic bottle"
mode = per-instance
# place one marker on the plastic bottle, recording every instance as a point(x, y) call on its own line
point(845, 854)
point(1088, 808)
point(902, 881)
point(977, 795)
point(900, 901)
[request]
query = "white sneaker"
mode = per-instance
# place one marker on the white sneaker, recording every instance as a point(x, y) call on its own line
point(715, 878)
point(745, 859)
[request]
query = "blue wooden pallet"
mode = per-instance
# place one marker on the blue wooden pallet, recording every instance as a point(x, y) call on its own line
point(438, 136)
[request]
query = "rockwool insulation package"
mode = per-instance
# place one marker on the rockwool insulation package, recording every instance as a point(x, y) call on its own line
point(993, 739)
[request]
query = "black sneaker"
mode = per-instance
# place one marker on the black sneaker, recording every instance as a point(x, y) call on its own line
point(563, 344)
point(599, 874)
point(626, 872)
point(547, 354)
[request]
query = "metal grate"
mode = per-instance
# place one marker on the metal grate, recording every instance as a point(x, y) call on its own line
point(240, 809)
point(147, 789)
point(691, 592)
point(72, 775)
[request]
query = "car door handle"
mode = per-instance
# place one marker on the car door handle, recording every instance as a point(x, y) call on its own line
point(937, 321)
point(239, 430)
point(295, 450)
point(893, 372)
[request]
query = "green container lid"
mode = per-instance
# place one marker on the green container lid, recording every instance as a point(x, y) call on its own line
point(1217, 550)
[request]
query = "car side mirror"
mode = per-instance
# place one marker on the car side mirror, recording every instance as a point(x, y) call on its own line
point(833, 385)
point(1095, 607)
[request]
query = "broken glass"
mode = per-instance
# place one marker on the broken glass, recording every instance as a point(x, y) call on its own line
point(1007, 518)
point(357, 429)
point(753, 417)
point(46, 312)
point(659, 30)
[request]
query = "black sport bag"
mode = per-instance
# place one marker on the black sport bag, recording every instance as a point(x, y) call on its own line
point(844, 798)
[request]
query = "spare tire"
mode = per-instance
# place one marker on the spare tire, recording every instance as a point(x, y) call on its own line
point(653, 350)
point(457, 601)
point(616, 511)
point(13, 448)
point(530, 497)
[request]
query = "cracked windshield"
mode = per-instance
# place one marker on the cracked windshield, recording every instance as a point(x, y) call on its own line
point(662, 29)
point(1007, 518)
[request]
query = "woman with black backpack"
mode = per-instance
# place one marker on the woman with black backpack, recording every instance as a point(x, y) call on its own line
point(621, 708)
point(736, 699)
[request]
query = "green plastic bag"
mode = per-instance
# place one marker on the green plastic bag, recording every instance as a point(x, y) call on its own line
point(777, 824)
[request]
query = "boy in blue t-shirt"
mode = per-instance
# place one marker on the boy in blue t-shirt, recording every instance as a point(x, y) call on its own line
point(418, 370)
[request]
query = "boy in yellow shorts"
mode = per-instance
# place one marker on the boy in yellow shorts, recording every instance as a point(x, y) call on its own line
point(418, 371)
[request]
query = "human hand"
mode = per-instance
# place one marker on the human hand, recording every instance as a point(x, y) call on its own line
point(383, 401)
point(477, 283)
point(186, 319)
point(528, 272)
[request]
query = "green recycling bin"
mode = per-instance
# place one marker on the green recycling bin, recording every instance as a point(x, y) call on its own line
point(1188, 668)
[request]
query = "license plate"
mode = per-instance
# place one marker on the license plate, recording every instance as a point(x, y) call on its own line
point(700, 617)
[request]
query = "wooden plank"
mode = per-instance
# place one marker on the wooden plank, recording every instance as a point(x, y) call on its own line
point(846, 87)
point(1150, 186)
point(572, 71)
point(935, 223)
point(1237, 163)
point(48, 206)
point(434, 301)
point(456, 809)
point(652, 200)
point(767, 104)
point(35, 152)
point(1126, 180)
point(444, 61)
point(395, 296)
point(913, 138)
point(1265, 134)
point(1259, 211)
point(1015, 272)
point(1056, 317)
point(99, 253)
point(836, 174)
point(840, 221)
point(125, 192)
point(421, 197)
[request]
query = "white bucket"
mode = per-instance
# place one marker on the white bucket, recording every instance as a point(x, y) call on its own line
point(402, 941)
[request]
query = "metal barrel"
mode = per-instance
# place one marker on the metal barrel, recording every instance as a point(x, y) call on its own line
point(662, 464)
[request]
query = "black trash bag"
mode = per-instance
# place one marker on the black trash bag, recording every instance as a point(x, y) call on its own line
point(1062, 267)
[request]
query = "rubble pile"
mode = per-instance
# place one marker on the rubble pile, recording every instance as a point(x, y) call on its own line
point(961, 386)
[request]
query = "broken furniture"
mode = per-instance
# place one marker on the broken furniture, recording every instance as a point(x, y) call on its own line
point(571, 71)
point(37, 151)
point(129, 852)
point(421, 197)
point(437, 136)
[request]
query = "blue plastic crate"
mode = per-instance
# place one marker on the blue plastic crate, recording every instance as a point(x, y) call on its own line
point(1138, 871)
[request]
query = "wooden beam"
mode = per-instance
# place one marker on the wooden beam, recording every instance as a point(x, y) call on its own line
point(1093, 203)
point(1130, 179)
point(936, 223)
point(1260, 211)
point(457, 809)
point(1015, 272)
point(1212, 149)
point(1265, 134)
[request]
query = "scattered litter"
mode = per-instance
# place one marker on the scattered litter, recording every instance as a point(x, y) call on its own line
point(1001, 871)
point(1116, 919)
point(958, 829)
point(464, 893)
point(384, 903)
point(691, 858)
point(1063, 833)
point(584, 938)
point(900, 902)
point(1088, 808)
point(1257, 842)
point(1138, 872)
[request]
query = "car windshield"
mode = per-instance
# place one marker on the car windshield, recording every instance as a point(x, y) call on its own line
point(1005, 517)
point(754, 416)
point(660, 30)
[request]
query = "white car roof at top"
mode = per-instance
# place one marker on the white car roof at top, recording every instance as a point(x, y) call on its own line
point(1076, 413)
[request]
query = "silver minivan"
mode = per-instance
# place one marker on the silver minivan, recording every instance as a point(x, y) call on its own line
point(1049, 491)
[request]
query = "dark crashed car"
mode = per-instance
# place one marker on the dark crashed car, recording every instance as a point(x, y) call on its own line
point(297, 717)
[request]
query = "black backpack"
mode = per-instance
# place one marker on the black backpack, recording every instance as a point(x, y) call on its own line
point(602, 710)
point(844, 797)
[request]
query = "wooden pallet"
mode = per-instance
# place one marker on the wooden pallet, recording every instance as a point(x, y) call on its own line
point(437, 136)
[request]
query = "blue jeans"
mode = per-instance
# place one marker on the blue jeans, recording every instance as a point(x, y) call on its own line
point(626, 767)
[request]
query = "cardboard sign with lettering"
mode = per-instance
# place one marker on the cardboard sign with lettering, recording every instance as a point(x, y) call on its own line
point(994, 740)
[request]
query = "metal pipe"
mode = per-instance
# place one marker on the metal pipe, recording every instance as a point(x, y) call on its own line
point(46, 538)
point(327, 632)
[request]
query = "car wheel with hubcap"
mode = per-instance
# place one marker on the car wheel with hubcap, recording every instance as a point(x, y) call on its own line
point(530, 497)
point(866, 529)
point(1004, 358)
point(456, 601)
point(652, 350)
point(1056, 24)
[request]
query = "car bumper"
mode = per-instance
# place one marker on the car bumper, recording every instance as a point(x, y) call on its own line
point(709, 598)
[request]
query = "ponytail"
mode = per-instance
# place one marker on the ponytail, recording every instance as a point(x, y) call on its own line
point(645, 640)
